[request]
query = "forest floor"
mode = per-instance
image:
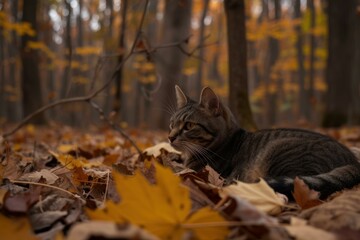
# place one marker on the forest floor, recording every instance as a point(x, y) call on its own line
point(58, 182)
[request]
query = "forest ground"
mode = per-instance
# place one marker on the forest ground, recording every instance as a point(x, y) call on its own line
point(59, 182)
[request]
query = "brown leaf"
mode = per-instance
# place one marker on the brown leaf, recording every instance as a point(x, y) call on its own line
point(304, 196)
point(21, 202)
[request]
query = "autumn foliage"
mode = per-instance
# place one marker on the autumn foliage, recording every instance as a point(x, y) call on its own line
point(76, 185)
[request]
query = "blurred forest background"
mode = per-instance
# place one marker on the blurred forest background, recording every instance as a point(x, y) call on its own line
point(303, 59)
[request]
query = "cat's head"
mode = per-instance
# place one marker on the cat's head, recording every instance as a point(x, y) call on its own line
point(197, 129)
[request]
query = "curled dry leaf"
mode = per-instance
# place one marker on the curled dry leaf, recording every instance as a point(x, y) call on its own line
point(343, 212)
point(304, 196)
point(155, 150)
point(260, 194)
point(164, 208)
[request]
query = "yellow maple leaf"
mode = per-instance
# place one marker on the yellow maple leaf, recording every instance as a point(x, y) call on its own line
point(164, 209)
point(15, 228)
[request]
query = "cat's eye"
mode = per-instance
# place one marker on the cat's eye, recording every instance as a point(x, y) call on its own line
point(189, 125)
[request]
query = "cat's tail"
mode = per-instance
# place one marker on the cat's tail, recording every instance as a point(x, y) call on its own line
point(326, 183)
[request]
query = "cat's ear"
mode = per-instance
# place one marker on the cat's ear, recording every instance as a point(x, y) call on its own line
point(181, 99)
point(209, 100)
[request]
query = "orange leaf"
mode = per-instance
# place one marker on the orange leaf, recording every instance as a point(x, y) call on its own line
point(304, 196)
point(15, 228)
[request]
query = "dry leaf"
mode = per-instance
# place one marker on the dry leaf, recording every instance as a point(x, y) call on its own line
point(65, 148)
point(15, 228)
point(35, 176)
point(305, 232)
point(71, 162)
point(155, 150)
point(304, 196)
point(107, 230)
point(343, 212)
point(22, 201)
point(162, 209)
point(259, 194)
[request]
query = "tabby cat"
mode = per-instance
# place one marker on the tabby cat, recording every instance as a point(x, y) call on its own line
point(206, 133)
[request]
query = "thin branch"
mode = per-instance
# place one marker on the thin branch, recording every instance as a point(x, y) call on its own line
point(49, 186)
point(112, 124)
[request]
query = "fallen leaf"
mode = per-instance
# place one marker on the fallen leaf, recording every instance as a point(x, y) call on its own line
point(107, 230)
point(22, 202)
point(259, 194)
point(305, 232)
point(162, 208)
point(304, 196)
point(35, 176)
point(15, 228)
point(343, 212)
point(43, 220)
point(111, 159)
point(65, 148)
point(155, 150)
point(214, 177)
point(71, 162)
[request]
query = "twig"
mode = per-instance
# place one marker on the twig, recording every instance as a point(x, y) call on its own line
point(112, 124)
point(107, 187)
point(49, 186)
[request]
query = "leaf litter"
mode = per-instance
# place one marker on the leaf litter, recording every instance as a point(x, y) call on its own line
point(61, 183)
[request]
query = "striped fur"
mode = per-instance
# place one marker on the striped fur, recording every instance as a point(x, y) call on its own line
point(206, 132)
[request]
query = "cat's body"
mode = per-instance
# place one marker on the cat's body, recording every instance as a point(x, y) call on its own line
point(207, 133)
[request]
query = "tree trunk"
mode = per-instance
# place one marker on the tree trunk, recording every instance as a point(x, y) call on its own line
point(119, 73)
point(64, 92)
point(31, 85)
point(341, 16)
point(355, 100)
point(109, 65)
point(2, 74)
point(170, 61)
point(271, 58)
point(237, 54)
point(311, 95)
point(199, 76)
point(303, 108)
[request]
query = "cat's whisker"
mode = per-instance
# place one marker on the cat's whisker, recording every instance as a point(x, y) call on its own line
point(200, 152)
point(195, 153)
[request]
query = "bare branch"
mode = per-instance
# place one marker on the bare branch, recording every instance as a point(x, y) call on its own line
point(112, 124)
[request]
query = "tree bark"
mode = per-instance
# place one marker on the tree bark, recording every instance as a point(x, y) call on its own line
point(31, 85)
point(303, 107)
point(119, 73)
point(355, 100)
point(311, 72)
point(237, 55)
point(2, 74)
point(199, 75)
point(64, 92)
point(170, 61)
point(341, 16)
